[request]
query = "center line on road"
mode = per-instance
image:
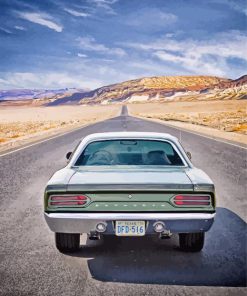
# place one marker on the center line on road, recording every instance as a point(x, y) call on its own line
point(71, 131)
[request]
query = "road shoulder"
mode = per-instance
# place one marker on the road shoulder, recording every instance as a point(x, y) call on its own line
point(217, 135)
point(43, 136)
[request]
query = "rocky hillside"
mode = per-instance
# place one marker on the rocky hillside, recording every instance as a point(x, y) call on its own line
point(163, 88)
point(149, 89)
point(27, 94)
point(37, 97)
point(233, 83)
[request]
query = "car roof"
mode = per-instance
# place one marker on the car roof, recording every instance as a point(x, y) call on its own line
point(148, 135)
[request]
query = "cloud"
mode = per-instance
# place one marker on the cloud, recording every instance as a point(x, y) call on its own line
point(5, 30)
point(41, 19)
point(239, 6)
point(45, 80)
point(76, 12)
point(151, 18)
point(20, 28)
point(90, 44)
point(199, 56)
point(170, 35)
point(81, 73)
point(81, 55)
point(104, 5)
point(192, 63)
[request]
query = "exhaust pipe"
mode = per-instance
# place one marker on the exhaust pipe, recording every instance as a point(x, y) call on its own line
point(165, 235)
point(94, 235)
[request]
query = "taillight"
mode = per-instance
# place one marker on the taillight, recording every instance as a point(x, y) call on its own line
point(192, 200)
point(68, 200)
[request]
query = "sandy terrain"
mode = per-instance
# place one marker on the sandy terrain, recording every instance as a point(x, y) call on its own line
point(224, 119)
point(21, 125)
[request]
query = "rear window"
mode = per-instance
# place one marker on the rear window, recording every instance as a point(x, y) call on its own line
point(129, 152)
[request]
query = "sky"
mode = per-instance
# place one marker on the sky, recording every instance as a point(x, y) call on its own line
point(51, 44)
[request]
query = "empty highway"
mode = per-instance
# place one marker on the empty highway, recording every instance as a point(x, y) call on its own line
point(31, 265)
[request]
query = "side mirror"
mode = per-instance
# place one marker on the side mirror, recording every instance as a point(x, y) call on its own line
point(189, 155)
point(68, 155)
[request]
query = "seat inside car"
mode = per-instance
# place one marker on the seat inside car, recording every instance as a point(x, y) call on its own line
point(157, 157)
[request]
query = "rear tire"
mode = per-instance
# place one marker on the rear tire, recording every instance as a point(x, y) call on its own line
point(67, 242)
point(191, 242)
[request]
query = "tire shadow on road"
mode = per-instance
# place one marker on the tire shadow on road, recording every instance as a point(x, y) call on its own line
point(222, 261)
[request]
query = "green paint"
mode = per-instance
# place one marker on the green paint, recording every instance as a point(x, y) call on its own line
point(123, 202)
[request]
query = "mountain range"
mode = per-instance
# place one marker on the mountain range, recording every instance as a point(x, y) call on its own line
point(159, 88)
point(36, 94)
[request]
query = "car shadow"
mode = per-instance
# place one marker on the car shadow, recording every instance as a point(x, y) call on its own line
point(150, 260)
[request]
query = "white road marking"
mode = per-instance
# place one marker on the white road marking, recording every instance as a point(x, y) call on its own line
point(198, 134)
point(45, 140)
point(60, 135)
point(217, 140)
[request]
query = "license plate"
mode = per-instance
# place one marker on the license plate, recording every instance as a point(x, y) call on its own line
point(130, 228)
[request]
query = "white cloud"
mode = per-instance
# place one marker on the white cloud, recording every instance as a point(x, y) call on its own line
point(170, 35)
point(41, 19)
point(199, 56)
point(83, 73)
point(20, 28)
point(76, 12)
point(89, 43)
point(192, 63)
point(151, 18)
point(81, 55)
point(239, 6)
point(45, 80)
point(5, 30)
point(104, 5)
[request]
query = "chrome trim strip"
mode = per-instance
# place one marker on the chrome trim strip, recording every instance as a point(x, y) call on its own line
point(132, 187)
point(133, 216)
point(86, 222)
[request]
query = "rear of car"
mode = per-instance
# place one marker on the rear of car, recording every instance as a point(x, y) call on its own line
point(129, 184)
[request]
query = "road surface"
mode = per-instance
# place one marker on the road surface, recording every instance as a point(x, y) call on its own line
point(30, 264)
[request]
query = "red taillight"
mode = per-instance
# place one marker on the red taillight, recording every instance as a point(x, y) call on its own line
point(191, 200)
point(68, 200)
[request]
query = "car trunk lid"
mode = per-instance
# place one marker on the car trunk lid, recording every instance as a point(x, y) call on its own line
point(131, 179)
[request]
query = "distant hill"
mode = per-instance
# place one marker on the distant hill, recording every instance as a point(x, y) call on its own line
point(234, 83)
point(144, 89)
point(72, 99)
point(36, 94)
point(161, 88)
point(17, 94)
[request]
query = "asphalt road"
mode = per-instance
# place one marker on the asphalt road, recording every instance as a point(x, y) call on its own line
point(30, 264)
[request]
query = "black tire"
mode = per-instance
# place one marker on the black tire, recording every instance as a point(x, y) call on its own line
point(191, 242)
point(67, 242)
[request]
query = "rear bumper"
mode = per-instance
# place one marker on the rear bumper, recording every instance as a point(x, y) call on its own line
point(86, 222)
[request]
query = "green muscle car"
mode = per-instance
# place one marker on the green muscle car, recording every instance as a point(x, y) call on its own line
point(129, 184)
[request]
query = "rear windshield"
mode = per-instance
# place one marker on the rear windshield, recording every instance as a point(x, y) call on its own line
point(129, 152)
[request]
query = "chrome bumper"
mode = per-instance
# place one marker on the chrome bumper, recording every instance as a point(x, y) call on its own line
point(86, 222)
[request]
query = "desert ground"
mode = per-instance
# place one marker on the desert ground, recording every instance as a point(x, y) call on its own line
point(21, 125)
point(223, 119)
